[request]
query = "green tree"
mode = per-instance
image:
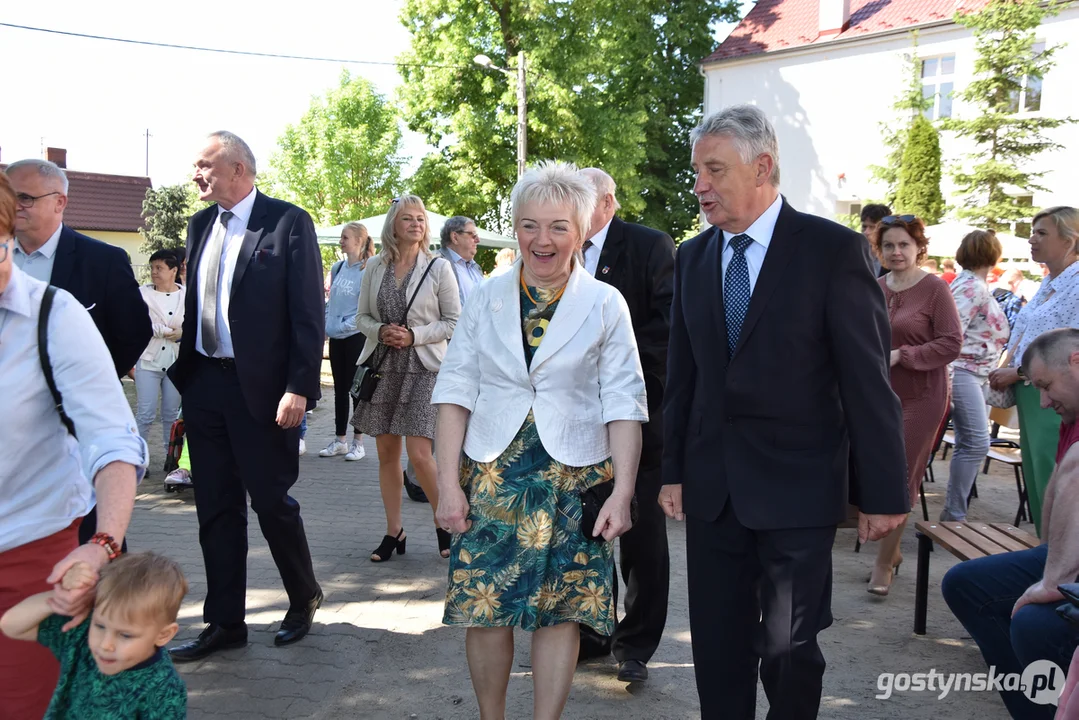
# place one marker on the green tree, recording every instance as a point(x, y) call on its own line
point(611, 83)
point(908, 104)
point(1008, 72)
point(342, 161)
point(919, 173)
point(166, 211)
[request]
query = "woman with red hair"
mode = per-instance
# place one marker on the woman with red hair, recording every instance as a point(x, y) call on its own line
point(926, 337)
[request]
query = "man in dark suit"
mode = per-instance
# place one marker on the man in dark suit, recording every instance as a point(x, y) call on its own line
point(247, 369)
point(97, 274)
point(777, 379)
point(639, 261)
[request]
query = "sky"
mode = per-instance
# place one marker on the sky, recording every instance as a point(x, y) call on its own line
point(97, 99)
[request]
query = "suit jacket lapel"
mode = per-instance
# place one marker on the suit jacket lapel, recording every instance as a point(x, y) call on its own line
point(711, 271)
point(571, 313)
point(780, 252)
point(613, 247)
point(252, 235)
point(63, 264)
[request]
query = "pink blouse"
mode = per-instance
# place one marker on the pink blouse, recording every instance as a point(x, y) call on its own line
point(984, 325)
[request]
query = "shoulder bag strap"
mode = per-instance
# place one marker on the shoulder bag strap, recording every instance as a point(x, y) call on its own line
point(43, 356)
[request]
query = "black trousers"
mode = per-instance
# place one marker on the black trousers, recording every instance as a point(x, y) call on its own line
point(758, 597)
point(646, 569)
point(234, 455)
point(343, 356)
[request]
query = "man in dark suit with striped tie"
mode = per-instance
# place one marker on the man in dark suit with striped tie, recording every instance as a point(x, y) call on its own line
point(248, 368)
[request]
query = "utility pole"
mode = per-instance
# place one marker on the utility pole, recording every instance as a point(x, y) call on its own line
point(522, 116)
point(148, 136)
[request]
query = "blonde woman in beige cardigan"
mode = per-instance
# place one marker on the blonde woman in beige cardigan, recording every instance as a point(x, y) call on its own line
point(408, 353)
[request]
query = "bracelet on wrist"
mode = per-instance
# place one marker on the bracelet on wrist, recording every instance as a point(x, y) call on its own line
point(108, 542)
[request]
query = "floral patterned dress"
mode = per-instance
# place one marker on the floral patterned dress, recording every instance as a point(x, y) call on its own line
point(524, 560)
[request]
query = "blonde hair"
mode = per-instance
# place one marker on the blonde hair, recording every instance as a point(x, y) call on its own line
point(141, 586)
point(504, 257)
point(389, 238)
point(554, 182)
point(1066, 220)
point(361, 231)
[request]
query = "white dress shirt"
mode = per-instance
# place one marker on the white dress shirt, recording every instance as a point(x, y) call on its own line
point(45, 474)
point(230, 251)
point(591, 255)
point(38, 264)
point(761, 231)
point(468, 272)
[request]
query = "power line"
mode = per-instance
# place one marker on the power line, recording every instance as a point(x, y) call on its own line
point(224, 51)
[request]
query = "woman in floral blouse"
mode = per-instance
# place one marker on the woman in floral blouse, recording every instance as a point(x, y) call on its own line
point(985, 333)
point(1053, 241)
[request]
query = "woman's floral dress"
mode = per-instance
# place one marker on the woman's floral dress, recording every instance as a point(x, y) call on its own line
point(524, 560)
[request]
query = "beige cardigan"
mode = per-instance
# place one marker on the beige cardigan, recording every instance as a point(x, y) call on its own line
point(432, 317)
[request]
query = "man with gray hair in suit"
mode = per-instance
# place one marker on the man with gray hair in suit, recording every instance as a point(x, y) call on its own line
point(460, 241)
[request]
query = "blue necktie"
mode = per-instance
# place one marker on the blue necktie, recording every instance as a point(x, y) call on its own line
point(736, 290)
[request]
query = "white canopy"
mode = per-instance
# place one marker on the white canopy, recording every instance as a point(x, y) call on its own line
point(944, 241)
point(331, 235)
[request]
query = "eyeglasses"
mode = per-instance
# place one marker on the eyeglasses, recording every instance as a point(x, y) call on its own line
point(27, 201)
point(898, 219)
point(471, 233)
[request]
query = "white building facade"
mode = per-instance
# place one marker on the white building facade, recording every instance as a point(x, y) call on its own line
point(829, 97)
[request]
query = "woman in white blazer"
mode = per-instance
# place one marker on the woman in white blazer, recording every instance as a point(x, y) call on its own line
point(543, 391)
point(165, 299)
point(408, 353)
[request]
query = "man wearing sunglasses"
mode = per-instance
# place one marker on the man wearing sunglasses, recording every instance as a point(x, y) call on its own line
point(97, 274)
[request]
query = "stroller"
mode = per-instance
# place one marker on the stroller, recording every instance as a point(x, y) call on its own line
point(177, 463)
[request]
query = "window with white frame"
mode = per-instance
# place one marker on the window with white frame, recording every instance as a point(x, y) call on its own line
point(1029, 97)
point(938, 82)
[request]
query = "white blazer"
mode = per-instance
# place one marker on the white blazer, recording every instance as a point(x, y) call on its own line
point(585, 374)
point(432, 317)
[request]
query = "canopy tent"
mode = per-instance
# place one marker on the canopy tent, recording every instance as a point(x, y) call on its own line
point(331, 235)
point(944, 241)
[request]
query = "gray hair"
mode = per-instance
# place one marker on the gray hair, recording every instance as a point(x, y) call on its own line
point(554, 182)
point(389, 238)
point(454, 224)
point(750, 130)
point(46, 169)
point(1053, 348)
point(604, 185)
point(236, 149)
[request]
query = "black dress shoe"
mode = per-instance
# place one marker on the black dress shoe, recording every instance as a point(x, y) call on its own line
point(212, 639)
point(632, 671)
point(297, 622)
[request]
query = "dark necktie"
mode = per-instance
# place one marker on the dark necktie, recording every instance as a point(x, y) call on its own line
point(211, 282)
point(736, 290)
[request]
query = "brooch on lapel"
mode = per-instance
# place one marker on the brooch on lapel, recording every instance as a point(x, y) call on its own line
point(496, 304)
point(606, 269)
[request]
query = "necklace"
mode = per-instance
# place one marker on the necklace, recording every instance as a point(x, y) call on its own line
point(541, 306)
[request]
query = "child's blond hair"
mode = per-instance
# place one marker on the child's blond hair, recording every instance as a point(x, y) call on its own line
point(141, 586)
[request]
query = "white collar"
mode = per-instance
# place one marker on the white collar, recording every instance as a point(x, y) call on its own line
point(49, 248)
point(762, 228)
point(16, 296)
point(601, 237)
point(241, 210)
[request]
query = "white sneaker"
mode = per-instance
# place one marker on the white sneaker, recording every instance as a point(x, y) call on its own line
point(303, 446)
point(336, 447)
point(356, 451)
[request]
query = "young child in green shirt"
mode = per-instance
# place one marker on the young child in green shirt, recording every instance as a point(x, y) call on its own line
point(112, 665)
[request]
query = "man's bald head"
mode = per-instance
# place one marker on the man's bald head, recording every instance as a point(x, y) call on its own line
point(1051, 363)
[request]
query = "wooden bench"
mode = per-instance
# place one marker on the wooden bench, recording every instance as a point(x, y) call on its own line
point(965, 540)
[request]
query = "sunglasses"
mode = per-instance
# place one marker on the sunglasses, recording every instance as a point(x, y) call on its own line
point(898, 219)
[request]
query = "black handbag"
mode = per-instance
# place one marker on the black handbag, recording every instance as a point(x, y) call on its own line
point(366, 378)
point(592, 500)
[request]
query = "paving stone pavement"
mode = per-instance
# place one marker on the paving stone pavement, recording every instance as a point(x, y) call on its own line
point(378, 649)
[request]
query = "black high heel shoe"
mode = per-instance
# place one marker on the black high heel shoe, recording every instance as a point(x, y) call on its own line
point(443, 542)
point(389, 543)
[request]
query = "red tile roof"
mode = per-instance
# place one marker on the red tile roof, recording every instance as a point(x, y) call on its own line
point(105, 202)
point(96, 201)
point(780, 24)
